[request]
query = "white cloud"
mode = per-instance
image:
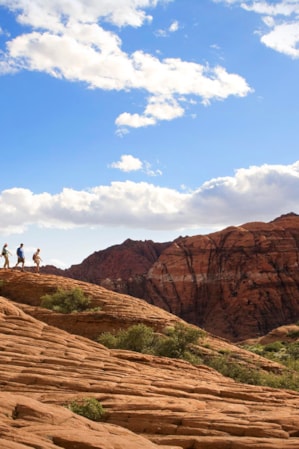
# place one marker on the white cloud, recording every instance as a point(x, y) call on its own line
point(69, 40)
point(134, 120)
point(174, 26)
point(158, 108)
point(163, 108)
point(284, 38)
point(254, 193)
point(127, 163)
point(282, 21)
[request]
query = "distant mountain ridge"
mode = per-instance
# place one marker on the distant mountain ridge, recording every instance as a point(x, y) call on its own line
point(237, 283)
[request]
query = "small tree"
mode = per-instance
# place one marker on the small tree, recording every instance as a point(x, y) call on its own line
point(66, 301)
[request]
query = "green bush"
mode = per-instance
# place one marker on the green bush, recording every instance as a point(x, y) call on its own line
point(177, 340)
point(66, 301)
point(276, 346)
point(228, 368)
point(141, 338)
point(240, 373)
point(138, 338)
point(90, 408)
point(108, 339)
point(293, 350)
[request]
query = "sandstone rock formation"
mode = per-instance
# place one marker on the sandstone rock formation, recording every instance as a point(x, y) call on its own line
point(150, 402)
point(238, 283)
point(121, 268)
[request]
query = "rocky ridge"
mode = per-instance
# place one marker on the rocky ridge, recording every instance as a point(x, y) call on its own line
point(150, 402)
point(238, 283)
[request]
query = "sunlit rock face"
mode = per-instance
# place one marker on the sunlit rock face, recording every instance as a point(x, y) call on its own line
point(150, 402)
point(238, 283)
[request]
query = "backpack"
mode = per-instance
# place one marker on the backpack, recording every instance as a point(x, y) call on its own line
point(33, 257)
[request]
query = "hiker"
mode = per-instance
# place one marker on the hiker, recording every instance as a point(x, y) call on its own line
point(37, 259)
point(21, 256)
point(5, 253)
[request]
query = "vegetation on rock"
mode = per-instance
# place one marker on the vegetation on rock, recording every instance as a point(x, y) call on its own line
point(175, 342)
point(90, 408)
point(181, 342)
point(66, 301)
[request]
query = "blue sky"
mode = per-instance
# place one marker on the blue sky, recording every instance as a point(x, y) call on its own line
point(144, 119)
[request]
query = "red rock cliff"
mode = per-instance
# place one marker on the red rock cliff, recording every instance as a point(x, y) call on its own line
point(238, 283)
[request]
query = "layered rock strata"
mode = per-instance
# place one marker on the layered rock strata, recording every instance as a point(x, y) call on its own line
point(150, 402)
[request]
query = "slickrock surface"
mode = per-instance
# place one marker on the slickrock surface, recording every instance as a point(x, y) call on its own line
point(116, 311)
point(238, 283)
point(150, 401)
point(167, 401)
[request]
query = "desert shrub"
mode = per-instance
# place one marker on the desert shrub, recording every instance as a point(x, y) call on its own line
point(66, 301)
point(240, 373)
point(141, 338)
point(257, 349)
point(229, 368)
point(138, 338)
point(293, 350)
point(108, 339)
point(276, 346)
point(90, 408)
point(177, 341)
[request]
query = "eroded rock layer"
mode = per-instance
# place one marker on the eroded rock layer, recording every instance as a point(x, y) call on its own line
point(150, 402)
point(164, 401)
point(239, 283)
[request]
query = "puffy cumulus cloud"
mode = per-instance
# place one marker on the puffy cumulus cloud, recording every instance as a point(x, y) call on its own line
point(127, 163)
point(284, 38)
point(53, 13)
point(254, 193)
point(281, 19)
point(69, 40)
point(158, 108)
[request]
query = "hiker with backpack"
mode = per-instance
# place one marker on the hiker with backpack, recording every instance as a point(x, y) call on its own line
point(21, 257)
point(6, 253)
point(37, 259)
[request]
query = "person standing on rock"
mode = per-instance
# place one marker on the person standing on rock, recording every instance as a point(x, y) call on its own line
point(37, 259)
point(21, 256)
point(6, 253)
